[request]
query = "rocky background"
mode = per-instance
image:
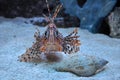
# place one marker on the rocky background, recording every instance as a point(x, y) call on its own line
point(35, 8)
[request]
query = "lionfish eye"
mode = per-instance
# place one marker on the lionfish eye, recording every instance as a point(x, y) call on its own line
point(56, 32)
point(45, 33)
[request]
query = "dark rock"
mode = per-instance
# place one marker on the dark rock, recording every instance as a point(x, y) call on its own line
point(34, 8)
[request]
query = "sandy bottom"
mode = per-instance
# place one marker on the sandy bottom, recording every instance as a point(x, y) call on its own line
point(16, 36)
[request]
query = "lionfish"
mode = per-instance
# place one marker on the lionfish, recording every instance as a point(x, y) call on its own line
point(51, 42)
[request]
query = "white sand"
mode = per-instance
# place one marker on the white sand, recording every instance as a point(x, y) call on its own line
point(16, 36)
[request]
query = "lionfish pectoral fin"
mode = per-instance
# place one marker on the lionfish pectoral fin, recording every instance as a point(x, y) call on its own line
point(30, 58)
point(71, 42)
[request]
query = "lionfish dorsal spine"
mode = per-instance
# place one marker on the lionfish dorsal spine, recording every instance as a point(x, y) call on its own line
point(52, 17)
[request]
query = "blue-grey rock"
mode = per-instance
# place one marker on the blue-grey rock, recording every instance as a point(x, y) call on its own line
point(81, 65)
point(92, 12)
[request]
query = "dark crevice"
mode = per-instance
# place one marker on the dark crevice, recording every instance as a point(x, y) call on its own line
point(104, 27)
point(118, 3)
point(81, 2)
